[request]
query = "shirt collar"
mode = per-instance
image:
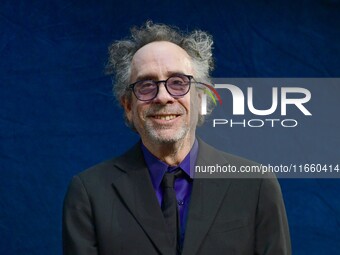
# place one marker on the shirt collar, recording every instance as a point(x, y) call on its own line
point(157, 168)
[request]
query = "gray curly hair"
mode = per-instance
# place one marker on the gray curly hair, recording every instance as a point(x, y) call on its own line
point(198, 45)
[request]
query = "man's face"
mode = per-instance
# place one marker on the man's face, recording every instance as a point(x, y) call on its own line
point(164, 119)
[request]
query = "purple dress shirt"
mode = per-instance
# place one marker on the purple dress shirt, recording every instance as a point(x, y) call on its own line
point(183, 185)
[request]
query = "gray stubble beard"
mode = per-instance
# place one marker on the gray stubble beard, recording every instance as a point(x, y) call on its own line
point(153, 134)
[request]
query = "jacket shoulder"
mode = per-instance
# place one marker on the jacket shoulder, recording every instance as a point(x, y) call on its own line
point(211, 156)
point(209, 152)
point(111, 168)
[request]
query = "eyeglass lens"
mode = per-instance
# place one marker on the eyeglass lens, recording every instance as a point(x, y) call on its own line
point(177, 85)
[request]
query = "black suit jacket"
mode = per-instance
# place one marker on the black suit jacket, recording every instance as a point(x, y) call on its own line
point(112, 208)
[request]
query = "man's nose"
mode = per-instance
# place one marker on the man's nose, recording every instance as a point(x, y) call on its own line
point(163, 96)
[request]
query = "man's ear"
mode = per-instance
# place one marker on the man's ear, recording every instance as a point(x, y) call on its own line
point(126, 103)
point(200, 94)
point(202, 99)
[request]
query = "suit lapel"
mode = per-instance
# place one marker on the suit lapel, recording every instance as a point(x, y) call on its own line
point(136, 191)
point(206, 197)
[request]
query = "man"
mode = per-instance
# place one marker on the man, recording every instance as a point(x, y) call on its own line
point(126, 205)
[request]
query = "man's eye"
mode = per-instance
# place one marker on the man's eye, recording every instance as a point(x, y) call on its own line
point(177, 82)
point(147, 84)
point(146, 87)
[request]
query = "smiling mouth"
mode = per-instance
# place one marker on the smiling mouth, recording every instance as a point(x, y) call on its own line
point(165, 117)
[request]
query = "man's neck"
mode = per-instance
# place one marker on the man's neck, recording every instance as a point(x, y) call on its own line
point(171, 153)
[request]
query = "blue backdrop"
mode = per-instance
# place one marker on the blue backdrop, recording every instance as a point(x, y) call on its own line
point(58, 117)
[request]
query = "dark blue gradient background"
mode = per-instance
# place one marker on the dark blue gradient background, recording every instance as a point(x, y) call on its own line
point(58, 117)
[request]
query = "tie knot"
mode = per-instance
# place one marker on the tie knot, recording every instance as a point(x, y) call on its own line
point(169, 178)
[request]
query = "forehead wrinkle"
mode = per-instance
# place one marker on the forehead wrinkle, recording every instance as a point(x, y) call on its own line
point(153, 72)
point(158, 60)
point(155, 77)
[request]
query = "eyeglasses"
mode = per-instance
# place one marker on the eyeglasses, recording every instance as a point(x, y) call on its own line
point(177, 86)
